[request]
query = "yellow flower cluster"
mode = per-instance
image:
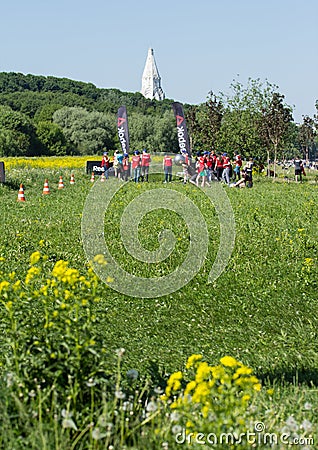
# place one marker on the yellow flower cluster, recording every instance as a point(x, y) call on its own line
point(229, 383)
point(174, 383)
point(32, 273)
point(53, 162)
point(35, 258)
point(62, 272)
point(57, 162)
point(192, 360)
point(308, 264)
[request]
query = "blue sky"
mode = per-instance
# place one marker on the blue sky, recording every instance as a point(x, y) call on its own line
point(199, 45)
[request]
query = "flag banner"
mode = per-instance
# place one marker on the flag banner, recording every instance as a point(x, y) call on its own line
point(183, 137)
point(122, 126)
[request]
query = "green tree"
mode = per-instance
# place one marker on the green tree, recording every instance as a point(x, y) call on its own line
point(193, 125)
point(210, 121)
point(45, 113)
point(19, 130)
point(88, 132)
point(273, 126)
point(141, 131)
point(164, 135)
point(52, 139)
point(249, 123)
point(239, 128)
point(306, 136)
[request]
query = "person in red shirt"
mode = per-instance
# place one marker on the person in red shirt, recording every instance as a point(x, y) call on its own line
point(125, 166)
point(210, 165)
point(106, 164)
point(145, 163)
point(219, 166)
point(135, 164)
point(237, 165)
point(226, 169)
point(167, 167)
point(202, 170)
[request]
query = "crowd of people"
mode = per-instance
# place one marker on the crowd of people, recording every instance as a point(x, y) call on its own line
point(203, 169)
point(140, 163)
point(212, 166)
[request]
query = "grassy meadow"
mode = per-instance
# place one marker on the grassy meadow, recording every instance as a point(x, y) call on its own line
point(66, 381)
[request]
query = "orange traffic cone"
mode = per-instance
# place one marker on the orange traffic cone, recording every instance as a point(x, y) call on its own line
point(21, 196)
point(72, 180)
point(93, 177)
point(61, 184)
point(46, 189)
point(102, 178)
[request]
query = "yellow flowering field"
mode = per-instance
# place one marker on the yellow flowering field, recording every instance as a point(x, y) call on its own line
point(53, 162)
point(56, 162)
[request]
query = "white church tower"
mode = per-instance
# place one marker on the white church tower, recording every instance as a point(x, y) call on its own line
point(151, 81)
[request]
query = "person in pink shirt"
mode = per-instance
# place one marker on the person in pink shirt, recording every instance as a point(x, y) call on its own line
point(125, 166)
point(226, 168)
point(202, 170)
point(237, 165)
point(135, 165)
point(106, 164)
point(219, 166)
point(145, 163)
point(167, 168)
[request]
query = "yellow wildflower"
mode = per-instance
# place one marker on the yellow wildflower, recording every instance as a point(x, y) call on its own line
point(202, 390)
point(173, 383)
point(32, 272)
point(44, 290)
point(34, 258)
point(203, 371)
point(205, 411)
point(100, 259)
point(252, 379)
point(17, 285)
point(59, 269)
point(229, 361)
point(70, 276)
point(8, 306)
point(4, 285)
point(242, 371)
point(190, 386)
point(189, 424)
point(192, 360)
point(217, 372)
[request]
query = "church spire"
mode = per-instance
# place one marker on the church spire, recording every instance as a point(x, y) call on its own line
point(151, 81)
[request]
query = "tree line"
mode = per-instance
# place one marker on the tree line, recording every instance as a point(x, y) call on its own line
point(56, 116)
